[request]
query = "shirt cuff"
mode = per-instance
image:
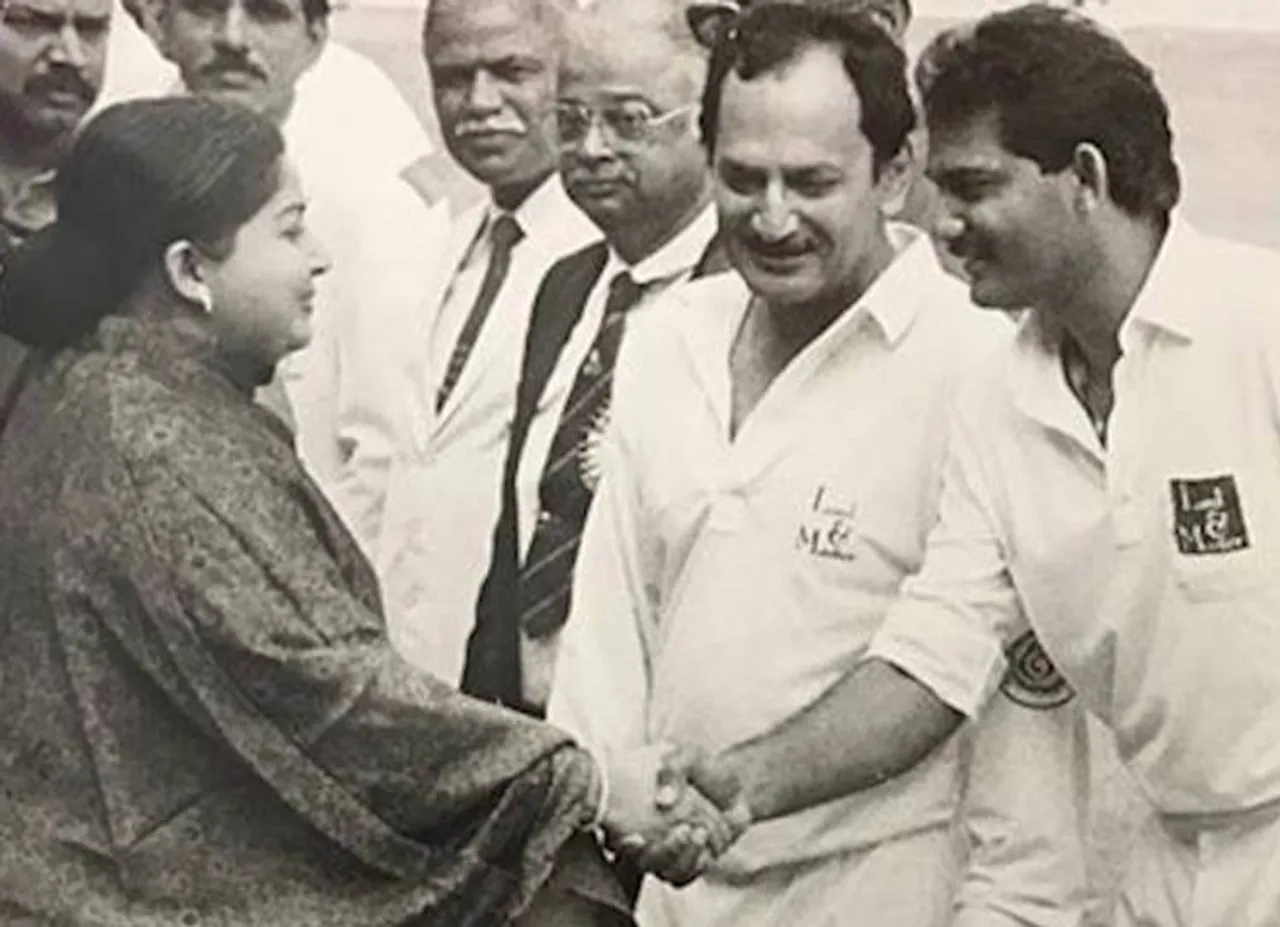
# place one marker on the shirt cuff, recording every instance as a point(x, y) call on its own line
point(961, 662)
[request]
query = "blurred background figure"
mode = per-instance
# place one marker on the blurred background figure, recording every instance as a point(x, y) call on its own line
point(53, 54)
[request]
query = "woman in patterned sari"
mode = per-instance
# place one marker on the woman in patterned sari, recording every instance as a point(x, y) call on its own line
point(200, 718)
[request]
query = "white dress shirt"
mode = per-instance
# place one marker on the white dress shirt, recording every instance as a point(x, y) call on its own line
point(1148, 567)
point(725, 583)
point(443, 493)
point(668, 267)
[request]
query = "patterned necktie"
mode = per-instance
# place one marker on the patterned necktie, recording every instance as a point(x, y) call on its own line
point(569, 478)
point(504, 234)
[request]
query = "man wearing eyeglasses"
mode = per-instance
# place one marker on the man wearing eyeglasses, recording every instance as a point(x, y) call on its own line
point(52, 58)
point(631, 160)
point(773, 473)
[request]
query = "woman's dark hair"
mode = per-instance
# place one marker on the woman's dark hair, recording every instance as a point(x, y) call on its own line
point(140, 176)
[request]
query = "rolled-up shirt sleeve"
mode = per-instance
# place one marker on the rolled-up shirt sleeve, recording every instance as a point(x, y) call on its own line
point(954, 618)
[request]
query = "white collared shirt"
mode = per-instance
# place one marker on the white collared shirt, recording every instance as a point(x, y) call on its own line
point(443, 492)
point(1148, 568)
point(725, 583)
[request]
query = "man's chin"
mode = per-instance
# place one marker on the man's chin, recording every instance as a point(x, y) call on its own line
point(612, 211)
point(986, 295)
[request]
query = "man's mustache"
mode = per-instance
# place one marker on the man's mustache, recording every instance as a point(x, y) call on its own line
point(227, 63)
point(790, 246)
point(60, 79)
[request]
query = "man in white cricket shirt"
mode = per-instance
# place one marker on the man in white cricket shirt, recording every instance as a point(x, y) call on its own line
point(1113, 479)
point(774, 471)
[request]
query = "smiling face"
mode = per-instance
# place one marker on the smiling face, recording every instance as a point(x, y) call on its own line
point(52, 55)
point(250, 52)
point(493, 75)
point(262, 291)
point(798, 197)
point(1010, 224)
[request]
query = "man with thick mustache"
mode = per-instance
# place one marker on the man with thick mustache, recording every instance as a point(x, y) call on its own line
point(630, 158)
point(52, 57)
point(776, 448)
point(493, 69)
point(363, 205)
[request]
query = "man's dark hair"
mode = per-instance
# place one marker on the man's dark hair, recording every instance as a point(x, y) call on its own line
point(1054, 80)
point(770, 37)
point(316, 10)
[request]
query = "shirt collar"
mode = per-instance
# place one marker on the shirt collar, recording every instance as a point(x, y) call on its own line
point(678, 256)
point(1172, 295)
point(895, 297)
point(547, 214)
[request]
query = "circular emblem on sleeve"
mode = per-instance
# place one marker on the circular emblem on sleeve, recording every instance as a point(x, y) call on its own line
point(1031, 679)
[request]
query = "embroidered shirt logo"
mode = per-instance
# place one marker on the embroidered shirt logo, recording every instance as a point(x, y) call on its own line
point(1207, 518)
point(827, 528)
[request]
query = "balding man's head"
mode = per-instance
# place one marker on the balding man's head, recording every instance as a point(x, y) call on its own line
point(493, 71)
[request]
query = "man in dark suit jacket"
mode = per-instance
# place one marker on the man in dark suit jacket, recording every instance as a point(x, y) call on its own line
point(631, 159)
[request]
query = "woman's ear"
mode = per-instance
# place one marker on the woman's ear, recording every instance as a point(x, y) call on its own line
point(185, 268)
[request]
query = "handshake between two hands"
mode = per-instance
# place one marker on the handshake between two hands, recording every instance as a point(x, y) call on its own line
point(670, 813)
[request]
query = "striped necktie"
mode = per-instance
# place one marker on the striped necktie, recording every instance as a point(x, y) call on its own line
point(504, 234)
point(569, 478)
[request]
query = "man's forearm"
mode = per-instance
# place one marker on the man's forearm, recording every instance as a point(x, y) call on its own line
point(874, 724)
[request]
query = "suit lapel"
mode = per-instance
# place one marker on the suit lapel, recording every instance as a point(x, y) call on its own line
point(561, 299)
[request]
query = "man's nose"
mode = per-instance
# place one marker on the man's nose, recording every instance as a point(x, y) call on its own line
point(484, 93)
point(69, 49)
point(948, 225)
point(773, 218)
point(594, 145)
point(232, 32)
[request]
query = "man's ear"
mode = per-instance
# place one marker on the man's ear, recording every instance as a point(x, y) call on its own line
point(185, 270)
point(896, 176)
point(1092, 177)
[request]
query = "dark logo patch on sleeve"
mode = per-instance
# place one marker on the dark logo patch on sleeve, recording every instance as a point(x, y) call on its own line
point(1032, 680)
point(1207, 517)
